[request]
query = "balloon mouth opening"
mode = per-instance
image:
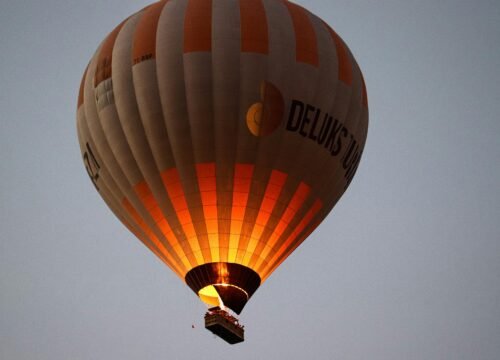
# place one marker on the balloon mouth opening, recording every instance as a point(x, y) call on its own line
point(227, 284)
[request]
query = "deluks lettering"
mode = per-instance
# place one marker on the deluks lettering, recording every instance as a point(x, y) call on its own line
point(328, 132)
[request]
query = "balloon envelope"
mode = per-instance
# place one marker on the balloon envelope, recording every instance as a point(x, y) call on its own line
point(221, 133)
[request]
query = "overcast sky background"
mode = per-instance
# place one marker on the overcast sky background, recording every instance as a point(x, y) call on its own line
point(407, 265)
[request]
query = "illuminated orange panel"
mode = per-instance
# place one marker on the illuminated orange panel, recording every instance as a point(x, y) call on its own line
point(208, 194)
point(172, 183)
point(254, 32)
point(316, 207)
point(241, 188)
point(345, 67)
point(198, 26)
point(271, 195)
point(293, 206)
point(103, 69)
point(149, 233)
point(148, 200)
point(306, 45)
point(144, 47)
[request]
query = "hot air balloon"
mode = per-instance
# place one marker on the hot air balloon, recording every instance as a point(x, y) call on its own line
point(221, 134)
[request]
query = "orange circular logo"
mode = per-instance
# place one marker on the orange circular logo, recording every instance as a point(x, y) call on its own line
point(265, 116)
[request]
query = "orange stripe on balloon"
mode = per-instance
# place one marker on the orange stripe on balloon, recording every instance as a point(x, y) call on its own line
point(265, 273)
point(173, 184)
point(285, 247)
point(208, 193)
point(149, 233)
point(293, 206)
point(241, 189)
point(103, 69)
point(198, 26)
point(344, 62)
point(144, 46)
point(254, 29)
point(271, 195)
point(306, 44)
point(153, 208)
point(152, 248)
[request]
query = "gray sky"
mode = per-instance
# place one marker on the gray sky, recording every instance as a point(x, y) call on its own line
point(407, 265)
